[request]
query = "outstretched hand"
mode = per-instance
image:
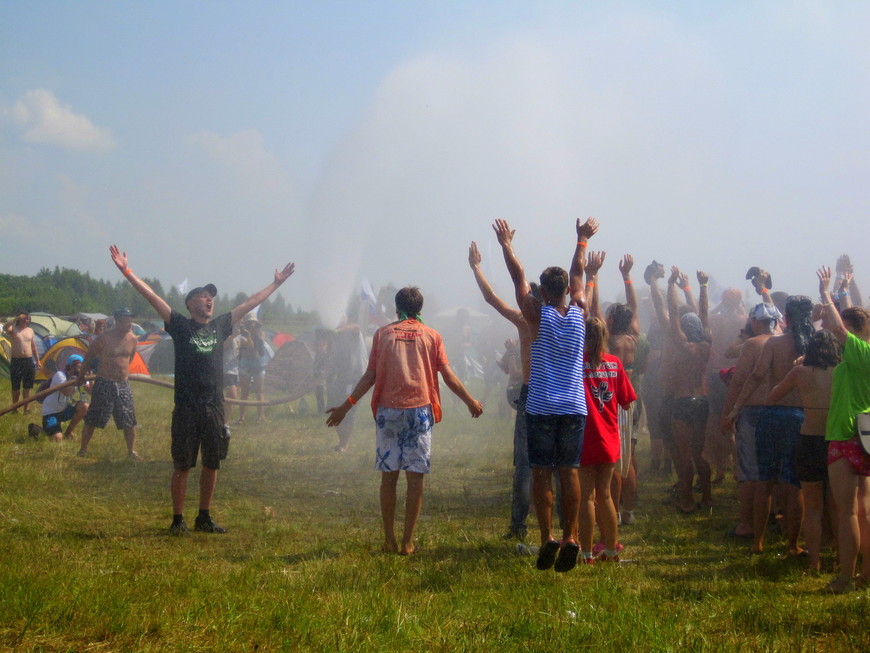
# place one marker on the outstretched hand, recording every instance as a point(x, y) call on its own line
point(587, 229)
point(475, 408)
point(283, 275)
point(845, 282)
point(594, 262)
point(625, 265)
point(118, 258)
point(336, 415)
point(824, 275)
point(503, 232)
point(844, 264)
point(474, 257)
point(675, 274)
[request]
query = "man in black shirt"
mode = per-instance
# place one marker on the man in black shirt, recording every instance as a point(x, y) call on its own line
point(198, 418)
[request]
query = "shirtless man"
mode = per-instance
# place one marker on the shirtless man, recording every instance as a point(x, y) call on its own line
point(520, 492)
point(556, 407)
point(22, 370)
point(690, 334)
point(112, 396)
point(726, 321)
point(763, 320)
point(777, 432)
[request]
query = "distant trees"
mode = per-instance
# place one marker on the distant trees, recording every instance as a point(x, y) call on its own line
point(65, 292)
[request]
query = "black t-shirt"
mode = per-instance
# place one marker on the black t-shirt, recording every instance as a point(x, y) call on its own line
point(199, 356)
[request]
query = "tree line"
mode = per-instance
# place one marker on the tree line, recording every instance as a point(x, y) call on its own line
point(66, 292)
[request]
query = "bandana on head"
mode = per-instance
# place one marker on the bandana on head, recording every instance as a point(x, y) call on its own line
point(691, 325)
point(765, 312)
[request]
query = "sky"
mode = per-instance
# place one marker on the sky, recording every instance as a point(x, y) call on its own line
point(216, 141)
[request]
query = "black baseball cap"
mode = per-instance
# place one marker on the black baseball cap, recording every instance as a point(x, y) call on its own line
point(123, 312)
point(209, 288)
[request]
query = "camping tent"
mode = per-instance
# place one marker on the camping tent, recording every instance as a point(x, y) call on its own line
point(57, 357)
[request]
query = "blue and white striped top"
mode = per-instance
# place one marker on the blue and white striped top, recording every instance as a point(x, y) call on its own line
point(556, 381)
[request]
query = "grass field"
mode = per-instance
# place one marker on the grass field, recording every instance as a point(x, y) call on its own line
point(87, 564)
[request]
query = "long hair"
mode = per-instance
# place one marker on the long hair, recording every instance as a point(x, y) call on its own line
point(595, 345)
point(823, 350)
point(798, 315)
point(619, 318)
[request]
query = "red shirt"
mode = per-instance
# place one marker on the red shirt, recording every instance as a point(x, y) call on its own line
point(406, 358)
point(607, 388)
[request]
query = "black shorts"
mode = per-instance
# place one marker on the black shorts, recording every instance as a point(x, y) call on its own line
point(53, 423)
point(195, 428)
point(811, 459)
point(111, 399)
point(693, 411)
point(22, 372)
point(555, 440)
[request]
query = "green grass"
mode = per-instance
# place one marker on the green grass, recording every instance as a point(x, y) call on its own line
point(87, 564)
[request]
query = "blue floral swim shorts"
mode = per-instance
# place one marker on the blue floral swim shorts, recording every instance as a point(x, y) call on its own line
point(404, 439)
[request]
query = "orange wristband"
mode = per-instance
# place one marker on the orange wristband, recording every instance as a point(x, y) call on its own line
point(351, 400)
point(590, 283)
point(687, 288)
point(126, 271)
point(582, 244)
point(626, 281)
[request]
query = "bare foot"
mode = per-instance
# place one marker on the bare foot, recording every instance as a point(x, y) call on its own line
point(407, 550)
point(389, 547)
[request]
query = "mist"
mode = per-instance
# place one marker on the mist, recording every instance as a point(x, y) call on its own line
point(700, 146)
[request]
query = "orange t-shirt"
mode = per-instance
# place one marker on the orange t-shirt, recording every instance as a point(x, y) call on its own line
point(406, 358)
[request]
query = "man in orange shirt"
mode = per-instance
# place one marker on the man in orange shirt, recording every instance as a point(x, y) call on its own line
point(403, 367)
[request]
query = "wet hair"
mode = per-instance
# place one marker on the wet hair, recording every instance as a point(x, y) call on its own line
point(798, 315)
point(823, 350)
point(857, 318)
point(619, 319)
point(409, 300)
point(554, 281)
point(595, 345)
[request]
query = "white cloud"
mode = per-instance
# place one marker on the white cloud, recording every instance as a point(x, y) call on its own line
point(42, 118)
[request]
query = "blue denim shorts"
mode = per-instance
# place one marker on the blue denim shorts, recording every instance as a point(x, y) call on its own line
point(776, 439)
point(555, 440)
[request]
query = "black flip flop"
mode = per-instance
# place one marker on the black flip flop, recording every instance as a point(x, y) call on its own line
point(547, 555)
point(567, 559)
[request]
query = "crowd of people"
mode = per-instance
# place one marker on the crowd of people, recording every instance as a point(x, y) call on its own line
point(774, 390)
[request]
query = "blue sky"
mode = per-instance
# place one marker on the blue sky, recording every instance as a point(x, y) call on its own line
point(216, 141)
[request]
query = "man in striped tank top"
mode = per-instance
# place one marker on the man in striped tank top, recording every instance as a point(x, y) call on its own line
point(556, 404)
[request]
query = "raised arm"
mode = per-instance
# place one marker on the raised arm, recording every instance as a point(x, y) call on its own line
point(158, 303)
point(683, 282)
point(593, 265)
point(507, 312)
point(625, 266)
point(704, 301)
point(843, 294)
point(259, 297)
point(585, 231)
point(674, 306)
point(525, 300)
point(844, 266)
point(832, 320)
